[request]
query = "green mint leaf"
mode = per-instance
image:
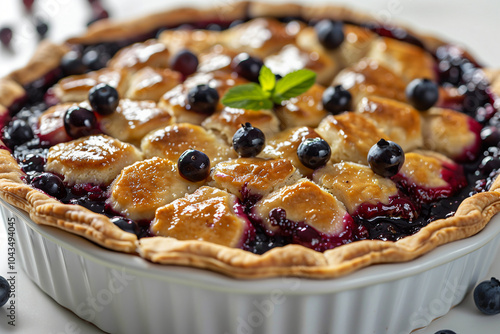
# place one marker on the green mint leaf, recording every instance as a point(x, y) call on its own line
point(267, 79)
point(293, 84)
point(249, 96)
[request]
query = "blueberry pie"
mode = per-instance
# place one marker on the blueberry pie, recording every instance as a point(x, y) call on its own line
point(198, 138)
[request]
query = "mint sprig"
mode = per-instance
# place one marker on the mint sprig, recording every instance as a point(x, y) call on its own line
point(269, 91)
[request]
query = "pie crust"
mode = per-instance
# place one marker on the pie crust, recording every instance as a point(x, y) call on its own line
point(291, 260)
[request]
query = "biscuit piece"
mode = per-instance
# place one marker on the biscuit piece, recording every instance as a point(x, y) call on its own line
point(176, 100)
point(132, 120)
point(354, 184)
point(193, 40)
point(303, 110)
point(406, 60)
point(284, 146)
point(307, 213)
point(145, 186)
point(139, 55)
point(217, 58)
point(151, 83)
point(228, 120)
point(171, 141)
point(94, 159)
point(291, 58)
point(451, 133)
point(246, 177)
point(208, 215)
point(350, 136)
point(260, 37)
point(398, 120)
point(429, 176)
point(75, 88)
point(357, 43)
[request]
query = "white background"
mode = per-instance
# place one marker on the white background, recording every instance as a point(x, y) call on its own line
point(474, 24)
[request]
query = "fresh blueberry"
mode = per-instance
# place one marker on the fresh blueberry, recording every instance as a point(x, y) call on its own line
point(422, 94)
point(213, 27)
point(489, 164)
point(248, 141)
point(126, 225)
point(51, 184)
point(185, 62)
point(476, 97)
point(386, 158)
point(41, 27)
point(487, 296)
point(4, 291)
point(95, 58)
point(79, 122)
point(314, 152)
point(330, 33)
point(247, 67)
point(490, 136)
point(445, 331)
point(104, 99)
point(336, 99)
point(32, 163)
point(17, 133)
point(72, 63)
point(203, 99)
point(194, 165)
point(6, 36)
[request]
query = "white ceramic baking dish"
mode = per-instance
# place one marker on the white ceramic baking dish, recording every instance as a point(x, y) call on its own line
point(123, 293)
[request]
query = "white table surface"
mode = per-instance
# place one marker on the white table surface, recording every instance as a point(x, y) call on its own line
point(473, 23)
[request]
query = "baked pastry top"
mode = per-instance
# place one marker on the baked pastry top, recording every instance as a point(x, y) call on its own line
point(159, 158)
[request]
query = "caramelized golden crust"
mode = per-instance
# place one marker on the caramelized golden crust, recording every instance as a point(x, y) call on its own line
point(207, 214)
point(217, 58)
point(10, 92)
point(356, 45)
point(424, 169)
point(449, 132)
point(303, 110)
point(257, 176)
point(398, 120)
point(350, 136)
point(228, 120)
point(171, 141)
point(284, 146)
point(368, 77)
point(305, 202)
point(176, 100)
point(260, 37)
point(291, 58)
point(95, 159)
point(406, 60)
point(145, 186)
point(76, 88)
point(196, 41)
point(139, 55)
point(151, 83)
point(354, 184)
point(132, 120)
point(46, 58)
